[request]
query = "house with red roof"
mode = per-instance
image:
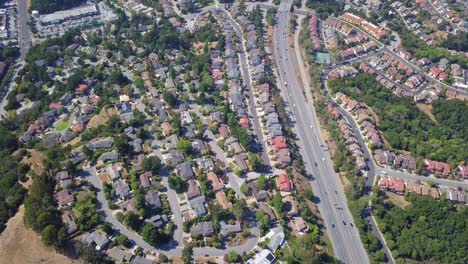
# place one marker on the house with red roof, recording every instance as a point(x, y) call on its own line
point(244, 122)
point(216, 184)
point(217, 74)
point(95, 99)
point(145, 179)
point(443, 76)
point(279, 143)
point(223, 200)
point(56, 105)
point(284, 183)
point(438, 167)
point(81, 88)
point(392, 184)
point(435, 71)
point(77, 127)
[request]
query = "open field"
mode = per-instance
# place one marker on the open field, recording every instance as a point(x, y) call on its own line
point(398, 200)
point(35, 161)
point(427, 109)
point(101, 118)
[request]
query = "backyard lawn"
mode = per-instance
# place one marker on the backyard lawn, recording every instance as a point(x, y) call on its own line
point(62, 126)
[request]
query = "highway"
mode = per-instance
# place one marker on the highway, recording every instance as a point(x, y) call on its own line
point(24, 32)
point(326, 186)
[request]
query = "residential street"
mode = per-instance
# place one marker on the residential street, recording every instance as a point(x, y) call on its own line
point(248, 87)
point(325, 183)
point(174, 248)
point(24, 39)
point(406, 62)
point(221, 156)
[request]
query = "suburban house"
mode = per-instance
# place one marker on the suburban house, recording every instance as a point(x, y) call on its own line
point(223, 201)
point(202, 228)
point(153, 200)
point(392, 184)
point(284, 183)
point(216, 184)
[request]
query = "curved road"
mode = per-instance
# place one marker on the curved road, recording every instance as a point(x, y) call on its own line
point(173, 248)
point(332, 202)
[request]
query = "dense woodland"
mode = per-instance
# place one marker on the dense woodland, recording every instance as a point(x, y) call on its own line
point(459, 43)
point(326, 7)
point(50, 6)
point(11, 191)
point(427, 230)
point(405, 127)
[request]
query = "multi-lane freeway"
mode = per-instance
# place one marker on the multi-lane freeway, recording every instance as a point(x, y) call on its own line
point(23, 27)
point(332, 203)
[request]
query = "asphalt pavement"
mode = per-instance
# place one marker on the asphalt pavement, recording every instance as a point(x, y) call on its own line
point(173, 248)
point(248, 88)
point(24, 40)
point(327, 189)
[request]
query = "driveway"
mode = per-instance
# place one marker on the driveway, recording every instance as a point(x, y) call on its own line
point(173, 248)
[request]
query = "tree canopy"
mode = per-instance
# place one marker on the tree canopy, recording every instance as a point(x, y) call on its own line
point(50, 6)
point(426, 230)
point(405, 127)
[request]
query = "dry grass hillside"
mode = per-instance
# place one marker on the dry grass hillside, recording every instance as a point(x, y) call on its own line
point(21, 245)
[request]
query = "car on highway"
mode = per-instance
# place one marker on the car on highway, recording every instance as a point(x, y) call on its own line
point(286, 83)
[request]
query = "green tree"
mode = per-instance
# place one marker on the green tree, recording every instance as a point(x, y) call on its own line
point(232, 256)
point(262, 182)
point(176, 183)
point(49, 236)
point(245, 189)
point(132, 220)
point(151, 234)
point(187, 254)
point(239, 209)
point(107, 228)
point(121, 143)
point(152, 164)
point(184, 146)
point(256, 161)
point(169, 98)
point(122, 240)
